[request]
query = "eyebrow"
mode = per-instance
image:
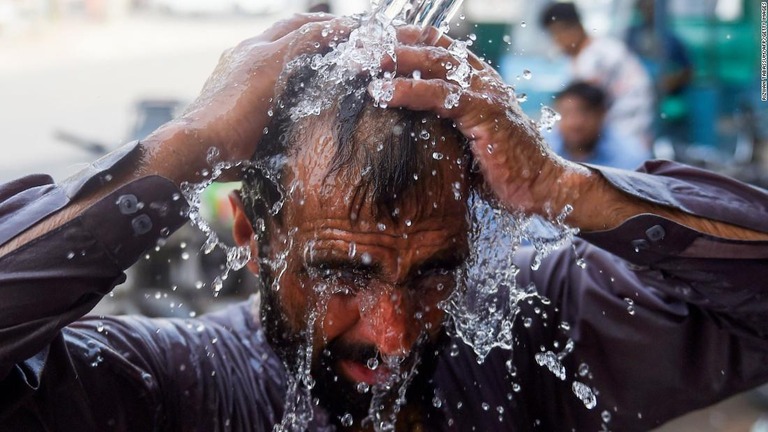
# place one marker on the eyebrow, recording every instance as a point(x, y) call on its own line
point(446, 259)
point(345, 263)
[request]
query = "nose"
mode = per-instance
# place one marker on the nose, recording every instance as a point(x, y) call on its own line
point(388, 321)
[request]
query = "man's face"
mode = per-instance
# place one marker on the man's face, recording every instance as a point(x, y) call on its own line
point(580, 125)
point(567, 37)
point(367, 287)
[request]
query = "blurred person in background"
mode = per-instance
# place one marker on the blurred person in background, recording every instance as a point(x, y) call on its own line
point(666, 60)
point(583, 135)
point(660, 49)
point(609, 64)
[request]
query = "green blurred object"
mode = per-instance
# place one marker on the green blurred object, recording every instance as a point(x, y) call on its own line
point(489, 43)
point(726, 66)
point(722, 51)
point(673, 108)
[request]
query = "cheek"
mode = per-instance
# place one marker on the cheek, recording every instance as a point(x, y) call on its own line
point(340, 316)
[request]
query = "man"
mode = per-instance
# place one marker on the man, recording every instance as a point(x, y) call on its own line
point(664, 57)
point(582, 134)
point(660, 49)
point(607, 63)
point(356, 261)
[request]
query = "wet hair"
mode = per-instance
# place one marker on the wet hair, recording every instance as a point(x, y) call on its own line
point(593, 96)
point(381, 143)
point(565, 13)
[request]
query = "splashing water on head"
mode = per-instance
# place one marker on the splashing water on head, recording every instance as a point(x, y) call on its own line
point(483, 315)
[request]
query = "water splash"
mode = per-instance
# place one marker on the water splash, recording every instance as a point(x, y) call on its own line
point(237, 256)
point(484, 314)
point(585, 394)
point(548, 118)
point(362, 52)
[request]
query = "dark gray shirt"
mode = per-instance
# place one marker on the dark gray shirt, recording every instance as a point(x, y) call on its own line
point(697, 334)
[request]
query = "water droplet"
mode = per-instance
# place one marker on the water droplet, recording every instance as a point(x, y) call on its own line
point(630, 306)
point(372, 363)
point(551, 362)
point(366, 258)
point(217, 285)
point(424, 134)
point(362, 387)
point(527, 322)
point(437, 156)
point(437, 402)
point(523, 24)
point(511, 369)
point(70, 255)
point(346, 420)
point(583, 392)
point(606, 416)
point(352, 250)
point(184, 256)
point(451, 101)
point(213, 155)
point(100, 327)
point(583, 369)
point(527, 74)
point(548, 118)
point(522, 97)
point(454, 350)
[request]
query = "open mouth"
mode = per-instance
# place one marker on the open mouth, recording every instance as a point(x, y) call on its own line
point(360, 373)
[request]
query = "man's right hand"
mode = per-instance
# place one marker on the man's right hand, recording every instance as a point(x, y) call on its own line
point(232, 109)
point(517, 166)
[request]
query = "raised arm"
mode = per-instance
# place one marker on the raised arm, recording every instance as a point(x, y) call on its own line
point(229, 114)
point(518, 168)
point(64, 246)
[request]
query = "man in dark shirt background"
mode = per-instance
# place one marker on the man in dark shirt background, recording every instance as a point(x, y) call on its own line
point(371, 229)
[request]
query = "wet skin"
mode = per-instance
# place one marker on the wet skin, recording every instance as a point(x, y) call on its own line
point(383, 297)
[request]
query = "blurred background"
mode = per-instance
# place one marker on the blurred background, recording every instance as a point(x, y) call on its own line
point(80, 77)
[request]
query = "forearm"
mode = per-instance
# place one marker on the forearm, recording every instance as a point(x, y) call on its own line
point(598, 206)
point(160, 154)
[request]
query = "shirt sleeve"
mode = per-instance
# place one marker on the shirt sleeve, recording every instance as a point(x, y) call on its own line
point(656, 311)
point(58, 277)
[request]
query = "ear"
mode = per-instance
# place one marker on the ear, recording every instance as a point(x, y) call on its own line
point(242, 230)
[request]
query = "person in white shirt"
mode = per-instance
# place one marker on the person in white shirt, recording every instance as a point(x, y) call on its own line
point(607, 63)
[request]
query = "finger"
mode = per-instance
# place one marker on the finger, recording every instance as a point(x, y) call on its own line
point(284, 27)
point(415, 35)
point(317, 36)
point(424, 95)
point(431, 62)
